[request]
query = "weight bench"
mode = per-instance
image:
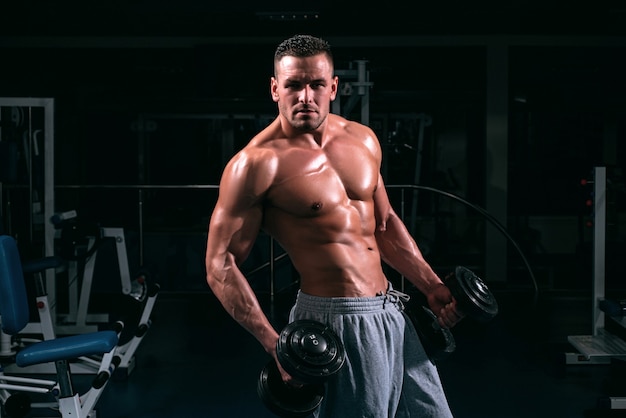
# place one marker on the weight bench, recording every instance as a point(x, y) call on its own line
point(15, 316)
point(140, 291)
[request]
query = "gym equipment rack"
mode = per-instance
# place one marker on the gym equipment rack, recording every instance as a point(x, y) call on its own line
point(601, 346)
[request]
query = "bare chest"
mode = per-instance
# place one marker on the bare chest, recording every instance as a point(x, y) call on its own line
point(314, 182)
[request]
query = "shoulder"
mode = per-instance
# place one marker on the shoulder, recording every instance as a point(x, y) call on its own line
point(250, 172)
point(253, 159)
point(357, 131)
point(340, 122)
point(258, 154)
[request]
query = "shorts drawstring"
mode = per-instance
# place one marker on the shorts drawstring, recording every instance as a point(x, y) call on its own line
point(339, 305)
point(396, 297)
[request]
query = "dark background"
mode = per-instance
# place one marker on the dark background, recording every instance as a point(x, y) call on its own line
point(145, 91)
point(160, 94)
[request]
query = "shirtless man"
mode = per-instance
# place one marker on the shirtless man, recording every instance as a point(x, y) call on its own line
point(311, 180)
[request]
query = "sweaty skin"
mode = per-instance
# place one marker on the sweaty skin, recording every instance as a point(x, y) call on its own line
point(311, 180)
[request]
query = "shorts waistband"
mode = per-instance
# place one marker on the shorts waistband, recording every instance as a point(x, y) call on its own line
point(343, 305)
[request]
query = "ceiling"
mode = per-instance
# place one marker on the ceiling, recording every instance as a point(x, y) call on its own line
point(183, 47)
point(324, 17)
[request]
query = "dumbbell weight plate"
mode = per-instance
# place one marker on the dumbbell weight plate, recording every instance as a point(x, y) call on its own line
point(285, 400)
point(472, 294)
point(310, 351)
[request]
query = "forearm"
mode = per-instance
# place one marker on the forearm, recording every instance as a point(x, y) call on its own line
point(399, 250)
point(237, 297)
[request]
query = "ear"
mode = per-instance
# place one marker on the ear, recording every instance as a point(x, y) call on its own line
point(274, 89)
point(333, 88)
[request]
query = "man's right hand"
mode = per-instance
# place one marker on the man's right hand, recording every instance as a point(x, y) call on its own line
point(287, 378)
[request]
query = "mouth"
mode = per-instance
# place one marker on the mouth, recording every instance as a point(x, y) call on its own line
point(305, 111)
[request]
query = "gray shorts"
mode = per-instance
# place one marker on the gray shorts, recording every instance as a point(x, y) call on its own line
point(386, 373)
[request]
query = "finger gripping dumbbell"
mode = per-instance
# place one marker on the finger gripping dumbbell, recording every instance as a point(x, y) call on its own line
point(310, 352)
point(473, 299)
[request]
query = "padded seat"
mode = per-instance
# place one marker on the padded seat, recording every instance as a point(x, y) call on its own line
point(15, 315)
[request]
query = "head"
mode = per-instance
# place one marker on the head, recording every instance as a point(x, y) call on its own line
point(304, 84)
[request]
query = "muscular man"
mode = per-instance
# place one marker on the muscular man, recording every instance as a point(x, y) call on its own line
point(311, 180)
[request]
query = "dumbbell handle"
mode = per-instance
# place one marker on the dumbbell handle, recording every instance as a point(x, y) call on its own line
point(438, 342)
point(473, 299)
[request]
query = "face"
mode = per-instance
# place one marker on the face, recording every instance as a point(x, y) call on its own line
point(303, 89)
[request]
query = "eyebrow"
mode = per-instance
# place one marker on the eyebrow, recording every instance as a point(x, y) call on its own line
point(297, 80)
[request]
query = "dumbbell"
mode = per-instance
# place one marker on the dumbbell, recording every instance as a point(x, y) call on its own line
point(310, 352)
point(474, 299)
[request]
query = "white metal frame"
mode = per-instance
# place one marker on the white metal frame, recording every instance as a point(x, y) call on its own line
point(48, 105)
point(78, 320)
point(601, 346)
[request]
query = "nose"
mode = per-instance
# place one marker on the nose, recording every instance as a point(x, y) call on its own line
point(305, 94)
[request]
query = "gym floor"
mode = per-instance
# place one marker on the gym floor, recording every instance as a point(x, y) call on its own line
point(195, 361)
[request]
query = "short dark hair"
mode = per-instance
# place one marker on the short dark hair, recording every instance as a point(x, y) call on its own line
point(302, 46)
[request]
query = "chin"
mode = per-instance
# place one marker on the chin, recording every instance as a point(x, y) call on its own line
point(304, 125)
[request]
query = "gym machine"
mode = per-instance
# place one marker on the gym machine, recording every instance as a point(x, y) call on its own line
point(78, 319)
point(29, 124)
point(601, 346)
point(355, 85)
point(57, 395)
